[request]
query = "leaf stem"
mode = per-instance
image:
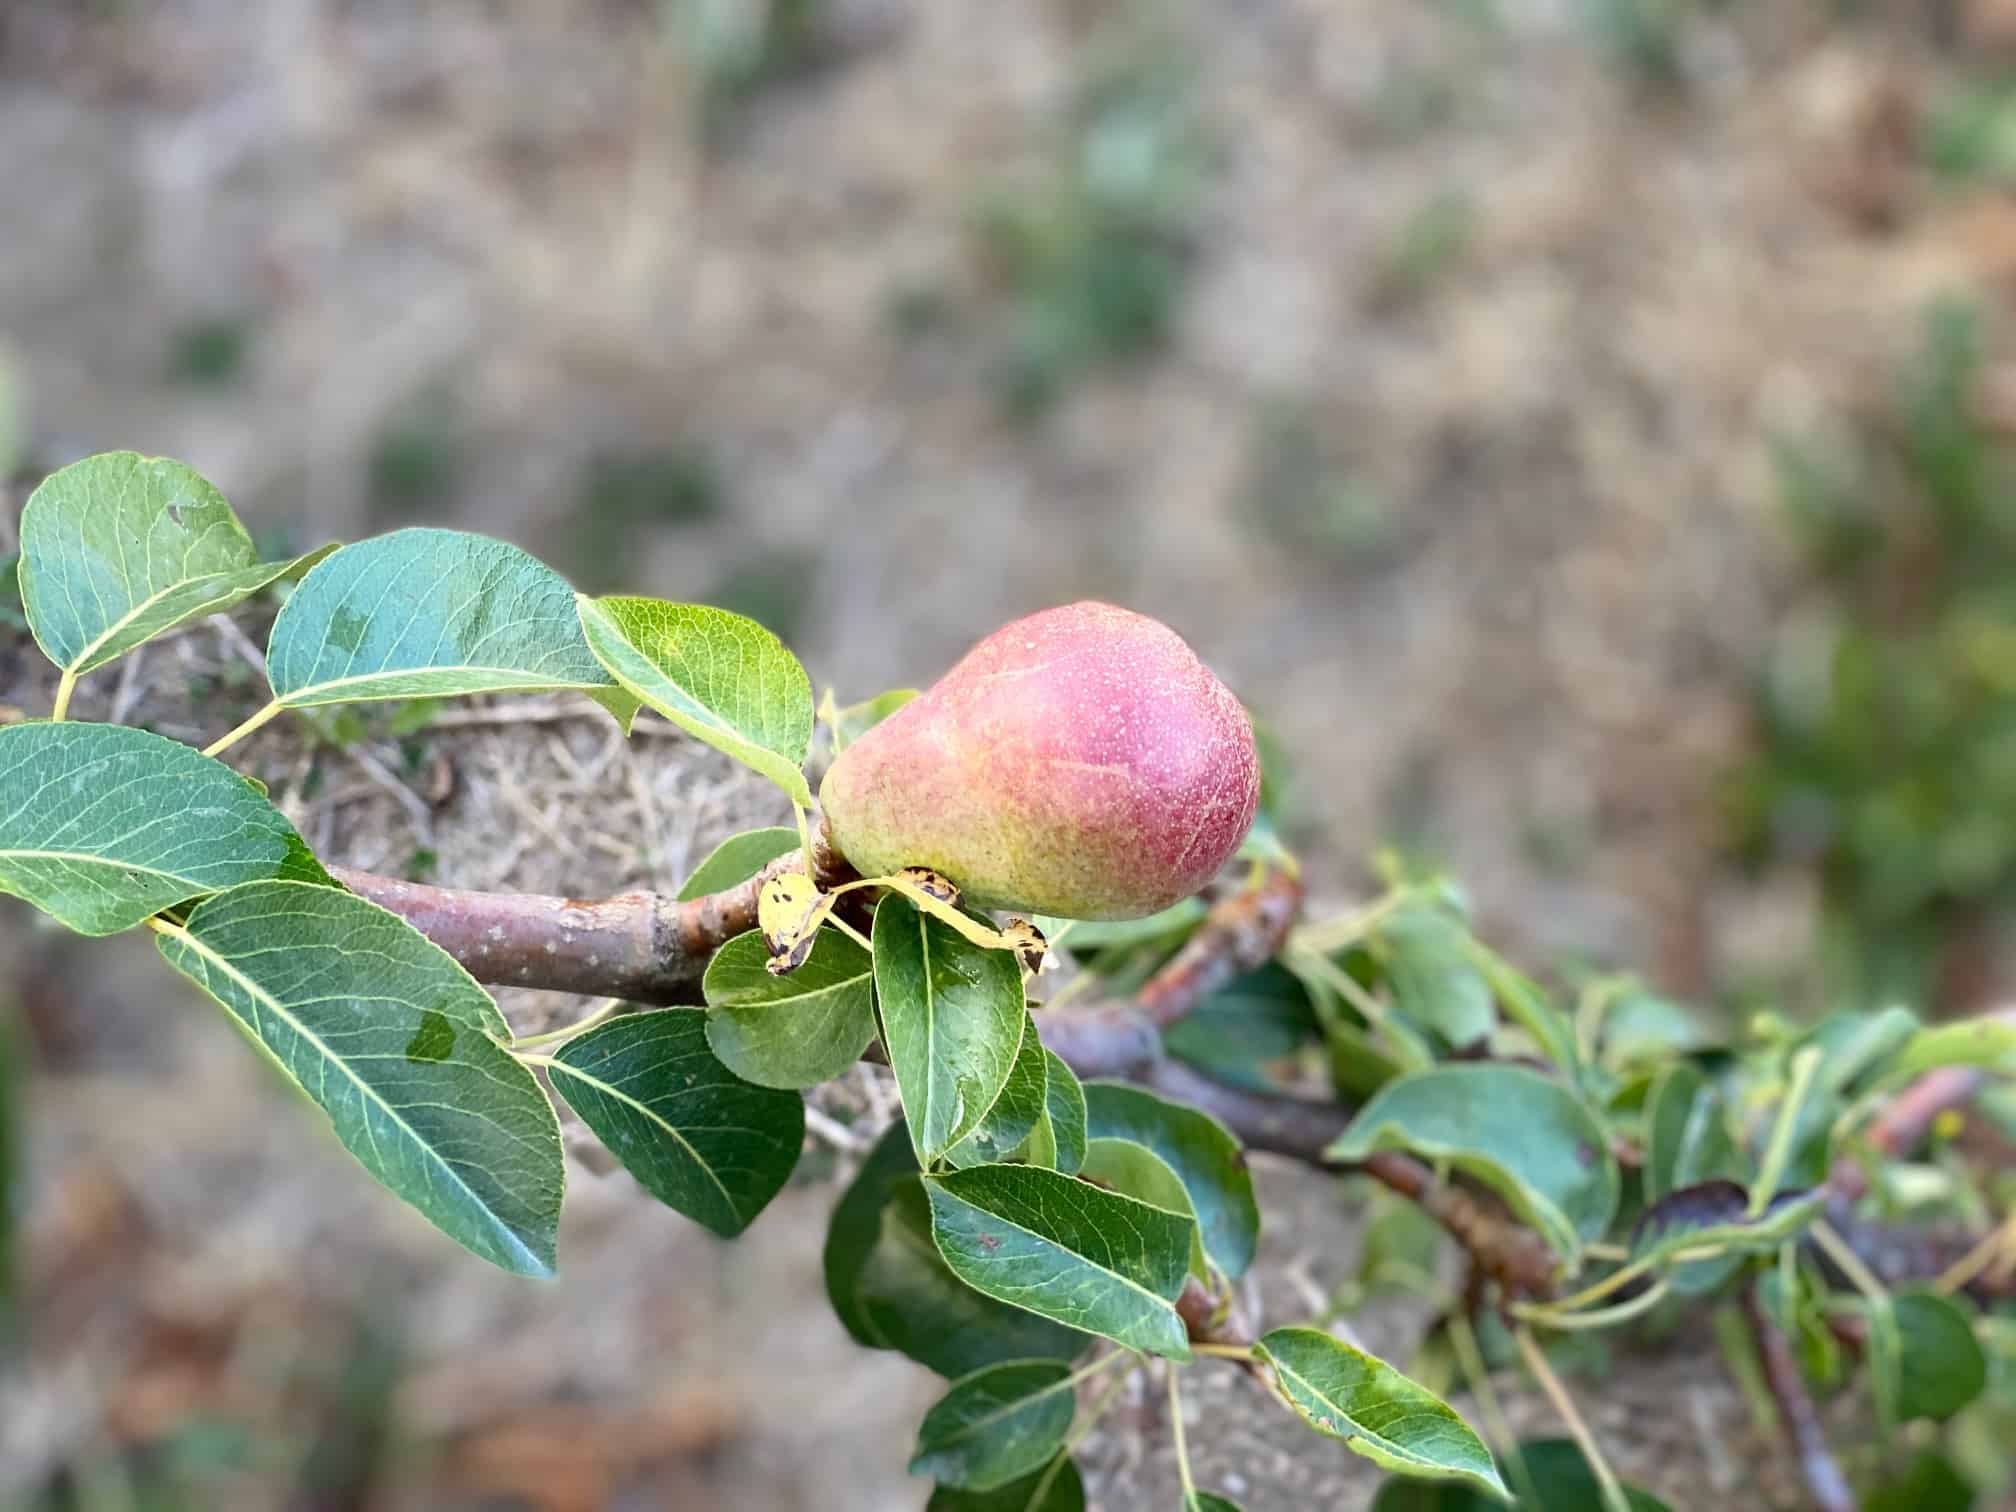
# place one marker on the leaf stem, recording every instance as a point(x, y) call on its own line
point(1602, 1317)
point(535, 1060)
point(1463, 1339)
point(1999, 1246)
point(1805, 1065)
point(1848, 1262)
point(1176, 1424)
point(1578, 1428)
point(851, 932)
point(1222, 1351)
point(601, 1011)
point(271, 711)
point(65, 686)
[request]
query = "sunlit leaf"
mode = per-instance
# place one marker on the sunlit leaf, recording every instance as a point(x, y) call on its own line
point(119, 547)
point(1204, 1156)
point(1527, 1137)
point(1985, 1042)
point(1374, 1409)
point(997, 1425)
point(390, 1037)
point(696, 1136)
point(1064, 1249)
point(102, 826)
point(952, 1020)
point(1016, 1112)
point(737, 859)
point(854, 721)
point(796, 1030)
point(720, 677)
point(1055, 1488)
point(891, 1288)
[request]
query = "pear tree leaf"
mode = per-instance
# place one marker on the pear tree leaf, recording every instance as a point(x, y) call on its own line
point(1715, 1215)
point(1686, 1137)
point(1000, 1424)
point(696, 1136)
point(953, 1021)
point(1064, 1249)
point(1082, 935)
point(1055, 1488)
point(737, 859)
point(891, 1289)
point(1852, 1045)
point(1058, 1140)
point(1433, 980)
point(790, 1031)
point(1022, 1105)
point(1203, 1154)
point(1985, 1042)
point(1924, 1358)
point(1560, 1477)
point(1121, 1165)
point(102, 826)
point(851, 723)
point(426, 613)
point(720, 677)
point(1375, 1410)
point(118, 547)
point(1208, 1501)
point(11, 617)
point(1525, 1136)
point(389, 1036)
point(1237, 1032)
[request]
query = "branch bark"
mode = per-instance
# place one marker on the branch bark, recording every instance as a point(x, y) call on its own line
point(1797, 1414)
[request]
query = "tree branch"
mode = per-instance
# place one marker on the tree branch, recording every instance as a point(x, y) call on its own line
point(1796, 1412)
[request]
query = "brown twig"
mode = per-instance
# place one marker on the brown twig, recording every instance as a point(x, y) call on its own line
point(1799, 1417)
point(1240, 934)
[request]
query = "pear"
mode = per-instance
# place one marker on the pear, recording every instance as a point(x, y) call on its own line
point(1081, 762)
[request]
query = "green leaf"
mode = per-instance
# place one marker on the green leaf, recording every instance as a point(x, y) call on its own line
point(856, 720)
point(952, 1020)
point(425, 613)
point(720, 677)
point(1208, 1501)
point(1940, 1366)
point(1245, 1027)
point(1000, 1424)
point(119, 547)
point(1204, 1156)
point(891, 1288)
point(696, 1136)
point(1989, 1043)
point(1056, 1488)
point(1374, 1409)
point(1121, 1165)
point(1853, 1044)
point(737, 859)
point(1434, 983)
point(1064, 1249)
point(1528, 1138)
point(1641, 1028)
point(1928, 1484)
point(1016, 1112)
point(102, 826)
point(11, 617)
point(790, 1031)
point(1525, 1002)
point(380, 1028)
point(1686, 1138)
point(1058, 1140)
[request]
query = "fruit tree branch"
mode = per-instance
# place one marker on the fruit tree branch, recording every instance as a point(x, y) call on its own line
point(1801, 1419)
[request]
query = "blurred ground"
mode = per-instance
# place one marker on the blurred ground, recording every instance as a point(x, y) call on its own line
point(1476, 324)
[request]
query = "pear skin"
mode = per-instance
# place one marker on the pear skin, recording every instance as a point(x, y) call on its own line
point(1080, 762)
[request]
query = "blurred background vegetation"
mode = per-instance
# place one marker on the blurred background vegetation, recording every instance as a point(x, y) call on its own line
point(1581, 429)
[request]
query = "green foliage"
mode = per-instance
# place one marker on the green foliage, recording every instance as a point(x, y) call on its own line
point(392, 1040)
point(1066, 1250)
point(695, 1135)
point(1057, 1143)
point(1056, 1488)
point(1553, 1477)
point(952, 1022)
point(719, 677)
point(736, 860)
point(1526, 1137)
point(1020, 1107)
point(790, 1031)
point(1888, 716)
point(105, 826)
point(996, 1426)
point(1379, 1413)
point(119, 547)
point(1202, 1154)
